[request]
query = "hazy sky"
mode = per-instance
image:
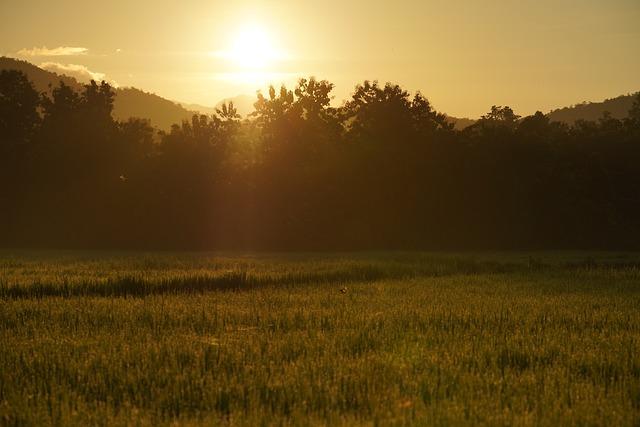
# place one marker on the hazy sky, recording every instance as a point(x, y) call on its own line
point(464, 55)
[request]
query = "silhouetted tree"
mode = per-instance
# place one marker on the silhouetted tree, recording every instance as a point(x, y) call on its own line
point(19, 120)
point(634, 113)
point(19, 102)
point(383, 171)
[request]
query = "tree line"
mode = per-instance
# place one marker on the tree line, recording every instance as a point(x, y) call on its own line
point(382, 171)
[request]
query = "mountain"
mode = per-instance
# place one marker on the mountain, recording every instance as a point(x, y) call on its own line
point(591, 111)
point(40, 78)
point(201, 109)
point(128, 102)
point(458, 123)
point(132, 102)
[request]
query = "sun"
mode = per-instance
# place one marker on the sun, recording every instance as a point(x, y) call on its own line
point(252, 48)
point(252, 57)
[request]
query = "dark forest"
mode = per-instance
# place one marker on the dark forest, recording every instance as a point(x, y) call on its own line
point(383, 171)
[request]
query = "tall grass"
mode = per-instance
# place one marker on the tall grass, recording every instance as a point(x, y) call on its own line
point(420, 339)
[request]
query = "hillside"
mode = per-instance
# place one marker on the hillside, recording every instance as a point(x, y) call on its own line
point(460, 123)
point(201, 109)
point(132, 102)
point(41, 79)
point(129, 102)
point(591, 111)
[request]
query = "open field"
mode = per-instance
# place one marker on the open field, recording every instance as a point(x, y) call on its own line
point(419, 339)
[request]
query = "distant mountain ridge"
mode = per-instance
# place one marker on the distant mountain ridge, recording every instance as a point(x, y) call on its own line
point(128, 102)
point(132, 102)
point(460, 123)
point(197, 108)
point(591, 111)
point(40, 78)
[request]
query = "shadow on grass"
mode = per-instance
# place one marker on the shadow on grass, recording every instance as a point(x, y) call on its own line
point(245, 279)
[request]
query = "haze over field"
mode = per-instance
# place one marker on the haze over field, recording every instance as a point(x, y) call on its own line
point(465, 57)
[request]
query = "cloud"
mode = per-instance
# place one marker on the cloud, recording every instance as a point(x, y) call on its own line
point(56, 51)
point(79, 72)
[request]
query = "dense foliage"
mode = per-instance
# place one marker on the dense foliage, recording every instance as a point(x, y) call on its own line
point(384, 170)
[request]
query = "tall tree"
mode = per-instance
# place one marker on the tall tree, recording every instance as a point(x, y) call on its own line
point(19, 102)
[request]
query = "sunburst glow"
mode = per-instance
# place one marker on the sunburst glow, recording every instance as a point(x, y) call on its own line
point(252, 48)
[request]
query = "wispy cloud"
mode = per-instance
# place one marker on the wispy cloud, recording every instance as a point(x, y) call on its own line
point(79, 72)
point(56, 51)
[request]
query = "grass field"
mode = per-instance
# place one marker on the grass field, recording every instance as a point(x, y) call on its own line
point(336, 339)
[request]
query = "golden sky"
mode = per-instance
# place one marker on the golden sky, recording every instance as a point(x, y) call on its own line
point(464, 55)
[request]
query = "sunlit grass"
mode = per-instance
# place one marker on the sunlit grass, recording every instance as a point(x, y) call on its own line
point(523, 339)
